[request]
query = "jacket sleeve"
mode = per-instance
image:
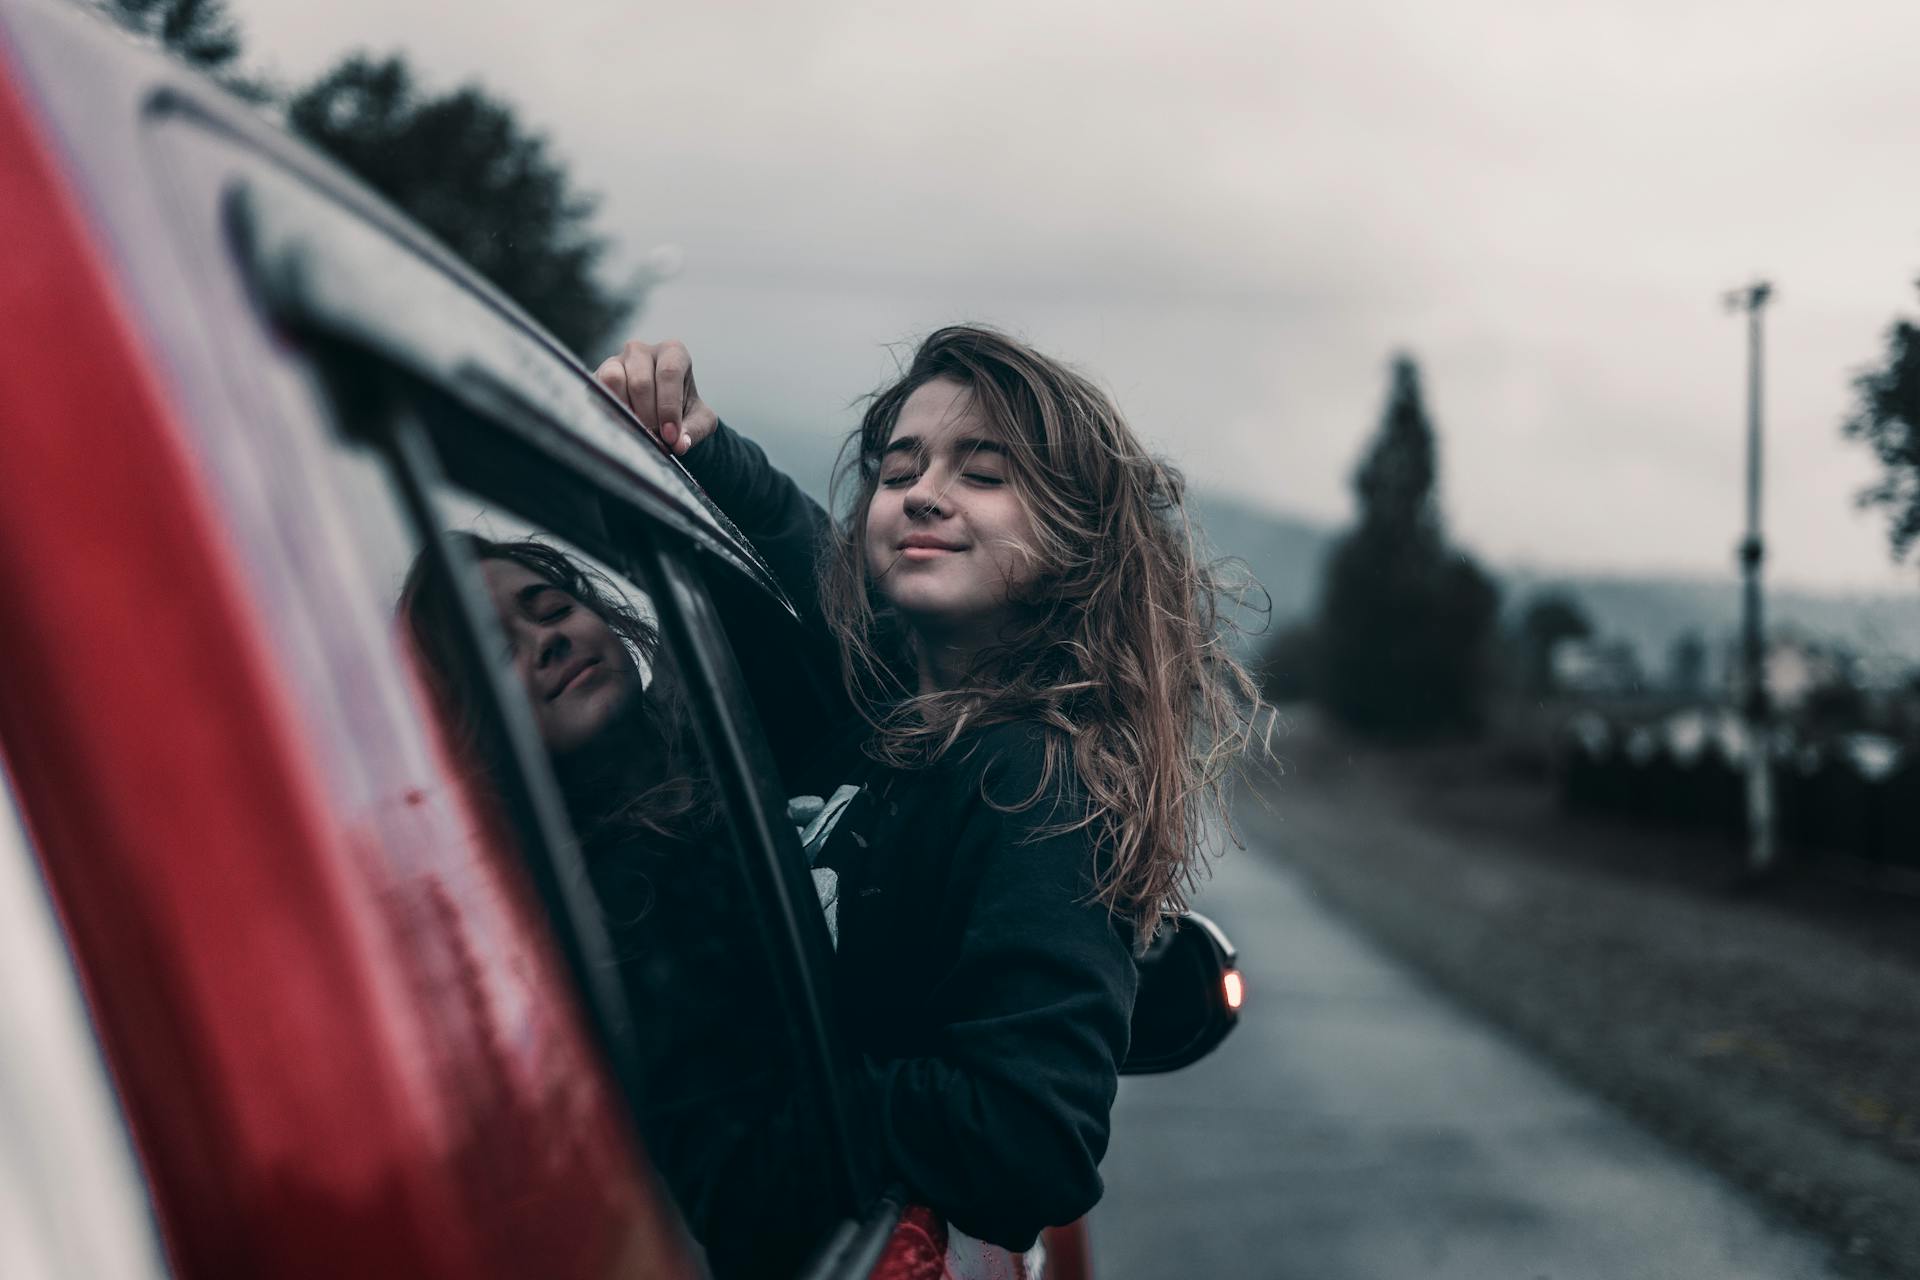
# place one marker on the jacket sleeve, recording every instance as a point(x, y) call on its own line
point(786, 526)
point(1003, 1127)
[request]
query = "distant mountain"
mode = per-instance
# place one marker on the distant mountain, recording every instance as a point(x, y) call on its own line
point(1285, 555)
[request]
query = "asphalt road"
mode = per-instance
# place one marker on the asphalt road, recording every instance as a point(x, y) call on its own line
point(1356, 1125)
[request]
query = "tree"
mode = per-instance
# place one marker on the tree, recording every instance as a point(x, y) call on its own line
point(1886, 417)
point(1406, 622)
point(1550, 618)
point(462, 165)
point(1289, 665)
point(200, 32)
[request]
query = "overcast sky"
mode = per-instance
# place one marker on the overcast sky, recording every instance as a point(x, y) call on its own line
point(1233, 213)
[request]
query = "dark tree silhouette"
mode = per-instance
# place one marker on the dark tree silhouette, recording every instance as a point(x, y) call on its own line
point(200, 32)
point(1550, 618)
point(1289, 664)
point(1886, 416)
point(1406, 622)
point(463, 166)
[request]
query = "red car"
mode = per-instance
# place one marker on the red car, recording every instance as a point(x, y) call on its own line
point(284, 990)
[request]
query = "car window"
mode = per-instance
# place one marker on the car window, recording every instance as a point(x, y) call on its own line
point(550, 670)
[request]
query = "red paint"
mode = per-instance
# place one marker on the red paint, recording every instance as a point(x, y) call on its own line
point(917, 1249)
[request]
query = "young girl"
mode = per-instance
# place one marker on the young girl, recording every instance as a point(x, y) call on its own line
point(1042, 715)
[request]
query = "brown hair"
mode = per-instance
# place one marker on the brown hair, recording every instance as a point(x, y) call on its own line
point(1120, 649)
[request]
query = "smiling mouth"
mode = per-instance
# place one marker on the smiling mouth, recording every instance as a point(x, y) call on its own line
point(574, 679)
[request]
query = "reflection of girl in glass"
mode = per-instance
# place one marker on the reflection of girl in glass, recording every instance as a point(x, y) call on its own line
point(1041, 716)
point(616, 743)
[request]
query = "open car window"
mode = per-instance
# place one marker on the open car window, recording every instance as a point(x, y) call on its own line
point(721, 1090)
point(582, 740)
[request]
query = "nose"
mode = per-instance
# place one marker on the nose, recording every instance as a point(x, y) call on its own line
point(554, 646)
point(924, 497)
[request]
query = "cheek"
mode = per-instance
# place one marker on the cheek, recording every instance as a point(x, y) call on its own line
point(1017, 550)
point(880, 511)
point(876, 535)
point(590, 634)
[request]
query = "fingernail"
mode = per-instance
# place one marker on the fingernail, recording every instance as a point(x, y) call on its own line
point(669, 432)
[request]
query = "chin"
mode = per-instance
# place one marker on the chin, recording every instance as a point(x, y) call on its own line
point(934, 608)
point(586, 724)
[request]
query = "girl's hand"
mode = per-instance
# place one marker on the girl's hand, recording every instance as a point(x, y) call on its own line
point(656, 382)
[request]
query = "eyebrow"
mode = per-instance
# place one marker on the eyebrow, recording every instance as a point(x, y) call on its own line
point(969, 444)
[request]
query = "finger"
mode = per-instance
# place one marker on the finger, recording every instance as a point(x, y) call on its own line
point(638, 358)
point(673, 369)
point(613, 376)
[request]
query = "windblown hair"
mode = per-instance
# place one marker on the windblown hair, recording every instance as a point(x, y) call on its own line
point(1118, 648)
point(636, 781)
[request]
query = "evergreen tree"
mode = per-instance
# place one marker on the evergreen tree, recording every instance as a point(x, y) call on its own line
point(462, 165)
point(1289, 665)
point(1406, 622)
point(1886, 417)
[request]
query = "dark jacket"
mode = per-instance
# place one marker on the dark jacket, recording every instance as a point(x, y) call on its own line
point(984, 997)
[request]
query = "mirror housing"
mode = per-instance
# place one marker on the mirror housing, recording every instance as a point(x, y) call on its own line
point(1189, 999)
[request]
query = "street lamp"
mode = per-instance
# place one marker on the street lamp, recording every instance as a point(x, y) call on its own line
point(1761, 848)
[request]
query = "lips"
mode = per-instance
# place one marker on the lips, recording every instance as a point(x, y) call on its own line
point(927, 542)
point(569, 676)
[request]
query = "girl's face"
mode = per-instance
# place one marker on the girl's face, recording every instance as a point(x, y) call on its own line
point(577, 673)
point(948, 539)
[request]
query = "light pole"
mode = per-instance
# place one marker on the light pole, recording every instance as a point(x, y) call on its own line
point(1761, 848)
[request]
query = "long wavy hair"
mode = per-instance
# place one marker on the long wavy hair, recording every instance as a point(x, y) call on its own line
point(1120, 647)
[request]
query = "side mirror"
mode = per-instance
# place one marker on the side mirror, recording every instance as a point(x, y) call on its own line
point(1189, 999)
